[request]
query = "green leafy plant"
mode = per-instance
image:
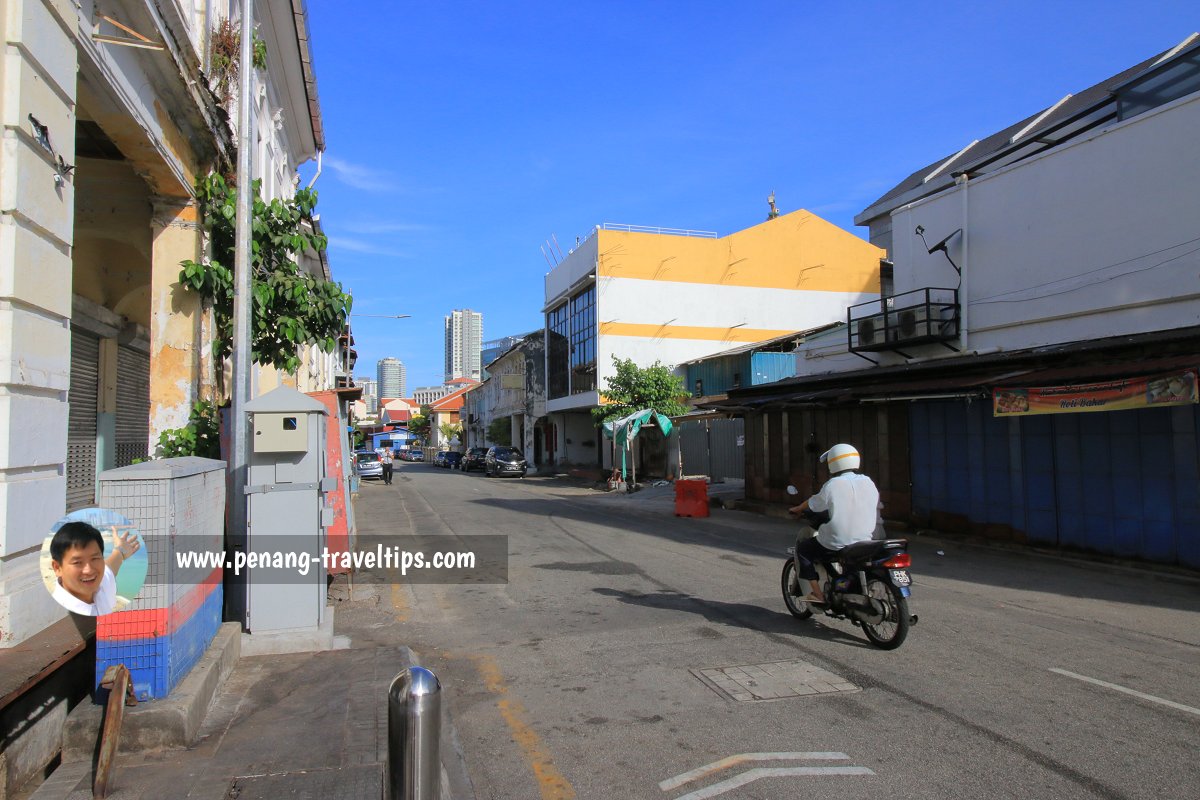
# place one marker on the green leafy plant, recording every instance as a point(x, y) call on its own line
point(200, 437)
point(258, 52)
point(418, 424)
point(290, 307)
point(634, 388)
point(500, 431)
point(450, 430)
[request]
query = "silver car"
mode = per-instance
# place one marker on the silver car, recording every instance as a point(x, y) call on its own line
point(368, 465)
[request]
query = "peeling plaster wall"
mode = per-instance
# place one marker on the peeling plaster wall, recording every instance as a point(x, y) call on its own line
point(177, 341)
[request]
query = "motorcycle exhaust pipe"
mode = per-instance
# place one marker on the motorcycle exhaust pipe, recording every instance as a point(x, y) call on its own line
point(862, 604)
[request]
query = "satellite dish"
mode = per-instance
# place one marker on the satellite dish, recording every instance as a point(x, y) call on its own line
point(942, 244)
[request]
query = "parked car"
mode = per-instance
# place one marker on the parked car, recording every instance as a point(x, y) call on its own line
point(368, 464)
point(415, 454)
point(452, 459)
point(473, 459)
point(504, 461)
point(439, 460)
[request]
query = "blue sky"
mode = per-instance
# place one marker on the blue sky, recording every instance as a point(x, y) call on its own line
point(461, 137)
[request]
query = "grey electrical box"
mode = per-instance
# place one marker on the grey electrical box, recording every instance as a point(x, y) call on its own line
point(285, 491)
point(280, 432)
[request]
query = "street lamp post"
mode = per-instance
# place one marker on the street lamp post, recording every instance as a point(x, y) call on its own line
point(236, 591)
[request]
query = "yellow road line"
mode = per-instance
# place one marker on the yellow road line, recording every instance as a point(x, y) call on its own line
point(399, 602)
point(553, 785)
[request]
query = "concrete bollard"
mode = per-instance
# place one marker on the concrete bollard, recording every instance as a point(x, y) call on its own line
point(414, 767)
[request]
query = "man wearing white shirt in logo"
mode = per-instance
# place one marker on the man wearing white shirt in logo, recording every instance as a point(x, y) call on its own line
point(87, 582)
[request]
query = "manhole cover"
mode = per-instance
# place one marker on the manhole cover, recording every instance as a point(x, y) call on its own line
point(348, 783)
point(773, 681)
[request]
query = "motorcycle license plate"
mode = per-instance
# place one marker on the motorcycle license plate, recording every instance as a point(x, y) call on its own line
point(900, 577)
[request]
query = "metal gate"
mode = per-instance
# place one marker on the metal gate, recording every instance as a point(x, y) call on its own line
point(81, 420)
point(1121, 483)
point(713, 447)
point(133, 405)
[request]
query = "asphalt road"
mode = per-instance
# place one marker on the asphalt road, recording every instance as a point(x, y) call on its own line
point(584, 676)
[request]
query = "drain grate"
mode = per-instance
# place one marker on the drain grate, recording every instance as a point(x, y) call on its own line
point(773, 681)
point(349, 783)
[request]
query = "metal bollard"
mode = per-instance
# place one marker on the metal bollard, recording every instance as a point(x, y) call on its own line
point(414, 730)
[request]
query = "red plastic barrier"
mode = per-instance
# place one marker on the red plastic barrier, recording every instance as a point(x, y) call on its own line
point(691, 498)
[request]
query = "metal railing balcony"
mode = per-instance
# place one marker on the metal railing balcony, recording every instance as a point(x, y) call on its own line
point(922, 316)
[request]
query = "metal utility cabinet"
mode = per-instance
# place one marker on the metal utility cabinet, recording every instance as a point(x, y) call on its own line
point(286, 511)
point(177, 504)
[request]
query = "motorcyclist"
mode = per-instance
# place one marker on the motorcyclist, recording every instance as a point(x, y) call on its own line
point(852, 502)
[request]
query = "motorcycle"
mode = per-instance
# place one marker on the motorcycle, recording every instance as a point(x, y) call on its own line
point(867, 583)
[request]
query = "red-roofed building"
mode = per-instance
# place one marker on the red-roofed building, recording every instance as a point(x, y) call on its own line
point(448, 410)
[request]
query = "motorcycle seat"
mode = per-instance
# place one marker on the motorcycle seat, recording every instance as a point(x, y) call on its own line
point(869, 550)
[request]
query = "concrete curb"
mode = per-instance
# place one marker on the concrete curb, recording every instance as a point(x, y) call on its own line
point(171, 722)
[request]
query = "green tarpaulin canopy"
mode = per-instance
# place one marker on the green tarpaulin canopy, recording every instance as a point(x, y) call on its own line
point(624, 430)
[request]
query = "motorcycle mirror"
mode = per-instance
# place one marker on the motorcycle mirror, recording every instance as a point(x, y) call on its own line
point(792, 490)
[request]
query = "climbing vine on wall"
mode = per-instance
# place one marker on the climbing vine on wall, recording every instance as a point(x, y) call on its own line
point(290, 308)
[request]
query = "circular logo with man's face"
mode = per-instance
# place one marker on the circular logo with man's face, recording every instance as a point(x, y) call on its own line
point(93, 562)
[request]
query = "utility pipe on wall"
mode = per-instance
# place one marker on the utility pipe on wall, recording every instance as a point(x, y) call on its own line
point(964, 272)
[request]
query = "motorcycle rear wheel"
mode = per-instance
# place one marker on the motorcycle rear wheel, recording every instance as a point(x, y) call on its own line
point(798, 607)
point(890, 632)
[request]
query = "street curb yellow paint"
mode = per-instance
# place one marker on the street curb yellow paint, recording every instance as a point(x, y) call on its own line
point(553, 785)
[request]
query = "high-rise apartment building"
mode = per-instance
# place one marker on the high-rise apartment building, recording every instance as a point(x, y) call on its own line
point(464, 341)
point(392, 377)
point(370, 392)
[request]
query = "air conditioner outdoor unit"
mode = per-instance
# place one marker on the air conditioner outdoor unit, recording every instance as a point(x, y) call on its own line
point(912, 323)
point(869, 332)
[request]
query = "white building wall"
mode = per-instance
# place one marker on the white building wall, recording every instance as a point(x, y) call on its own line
point(1097, 238)
point(36, 222)
point(572, 270)
point(735, 309)
point(1093, 239)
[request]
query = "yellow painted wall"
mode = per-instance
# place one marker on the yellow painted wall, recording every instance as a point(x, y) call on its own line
point(798, 251)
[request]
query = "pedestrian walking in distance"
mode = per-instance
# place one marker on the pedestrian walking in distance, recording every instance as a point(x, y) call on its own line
point(386, 460)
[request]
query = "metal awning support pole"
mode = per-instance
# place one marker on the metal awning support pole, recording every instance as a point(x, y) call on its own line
point(414, 767)
point(243, 357)
point(633, 462)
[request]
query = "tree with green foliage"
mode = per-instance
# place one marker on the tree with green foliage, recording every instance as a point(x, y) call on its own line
point(634, 388)
point(291, 308)
point(418, 424)
point(450, 430)
point(499, 431)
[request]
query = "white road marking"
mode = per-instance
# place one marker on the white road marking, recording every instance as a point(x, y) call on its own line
point(1125, 690)
point(741, 758)
point(751, 775)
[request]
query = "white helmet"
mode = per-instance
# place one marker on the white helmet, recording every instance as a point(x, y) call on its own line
point(841, 457)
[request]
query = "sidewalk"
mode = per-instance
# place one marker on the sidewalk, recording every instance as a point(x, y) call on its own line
point(306, 725)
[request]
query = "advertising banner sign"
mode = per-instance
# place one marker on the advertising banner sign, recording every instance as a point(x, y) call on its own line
point(1173, 389)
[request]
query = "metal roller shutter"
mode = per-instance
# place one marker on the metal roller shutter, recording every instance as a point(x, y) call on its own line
point(133, 405)
point(81, 420)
